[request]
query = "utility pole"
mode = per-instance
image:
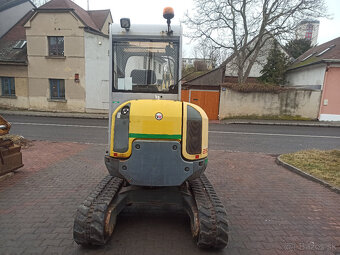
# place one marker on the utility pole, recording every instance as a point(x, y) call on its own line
point(88, 5)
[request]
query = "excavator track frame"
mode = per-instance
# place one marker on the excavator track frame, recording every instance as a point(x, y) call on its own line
point(96, 216)
point(90, 224)
point(213, 224)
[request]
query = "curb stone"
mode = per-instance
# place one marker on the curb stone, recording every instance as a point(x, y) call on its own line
point(281, 123)
point(306, 175)
point(56, 114)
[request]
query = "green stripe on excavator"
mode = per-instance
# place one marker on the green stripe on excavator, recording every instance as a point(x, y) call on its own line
point(154, 136)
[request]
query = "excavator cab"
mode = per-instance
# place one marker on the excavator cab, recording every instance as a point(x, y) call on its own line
point(158, 145)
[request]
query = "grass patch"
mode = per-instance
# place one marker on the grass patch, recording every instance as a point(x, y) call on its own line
point(269, 117)
point(324, 165)
point(255, 87)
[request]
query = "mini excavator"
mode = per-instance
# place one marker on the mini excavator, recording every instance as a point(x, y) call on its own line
point(158, 146)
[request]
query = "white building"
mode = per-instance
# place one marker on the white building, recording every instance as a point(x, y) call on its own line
point(308, 29)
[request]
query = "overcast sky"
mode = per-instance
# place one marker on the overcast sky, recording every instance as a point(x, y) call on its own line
point(150, 12)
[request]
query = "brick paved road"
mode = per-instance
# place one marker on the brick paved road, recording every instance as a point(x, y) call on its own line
point(271, 210)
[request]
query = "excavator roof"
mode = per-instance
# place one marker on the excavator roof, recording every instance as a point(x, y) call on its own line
point(145, 30)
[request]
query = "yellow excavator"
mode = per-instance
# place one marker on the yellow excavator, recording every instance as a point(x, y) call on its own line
point(158, 147)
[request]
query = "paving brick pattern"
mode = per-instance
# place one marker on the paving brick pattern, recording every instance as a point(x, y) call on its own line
point(271, 210)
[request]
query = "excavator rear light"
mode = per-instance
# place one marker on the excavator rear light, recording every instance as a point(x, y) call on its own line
point(194, 132)
point(125, 110)
point(121, 130)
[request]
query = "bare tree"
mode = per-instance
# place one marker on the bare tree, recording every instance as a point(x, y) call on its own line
point(200, 65)
point(207, 49)
point(243, 26)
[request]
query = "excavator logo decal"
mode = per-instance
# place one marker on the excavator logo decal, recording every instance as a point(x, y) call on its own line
point(159, 116)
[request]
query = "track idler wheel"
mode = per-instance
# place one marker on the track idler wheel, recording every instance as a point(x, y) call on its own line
point(110, 222)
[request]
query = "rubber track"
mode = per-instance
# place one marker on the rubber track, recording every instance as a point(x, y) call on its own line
point(86, 229)
point(213, 224)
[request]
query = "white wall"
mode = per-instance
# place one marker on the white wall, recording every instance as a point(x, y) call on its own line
point(307, 76)
point(304, 103)
point(9, 17)
point(96, 72)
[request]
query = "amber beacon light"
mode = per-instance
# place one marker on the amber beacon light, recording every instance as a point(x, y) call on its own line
point(168, 14)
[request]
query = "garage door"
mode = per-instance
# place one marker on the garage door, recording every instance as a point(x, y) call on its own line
point(208, 100)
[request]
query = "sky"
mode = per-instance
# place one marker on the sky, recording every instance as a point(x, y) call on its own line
point(151, 11)
point(330, 28)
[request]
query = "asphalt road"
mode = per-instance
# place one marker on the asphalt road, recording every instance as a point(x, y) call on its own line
point(232, 137)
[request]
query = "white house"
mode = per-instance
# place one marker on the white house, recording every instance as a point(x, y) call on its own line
point(319, 68)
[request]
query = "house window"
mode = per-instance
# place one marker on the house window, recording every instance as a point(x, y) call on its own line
point(7, 86)
point(308, 35)
point(309, 28)
point(55, 45)
point(20, 44)
point(325, 50)
point(57, 89)
point(304, 59)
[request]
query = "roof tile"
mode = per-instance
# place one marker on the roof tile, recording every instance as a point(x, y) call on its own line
point(99, 17)
point(85, 16)
point(6, 4)
point(7, 42)
point(332, 54)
